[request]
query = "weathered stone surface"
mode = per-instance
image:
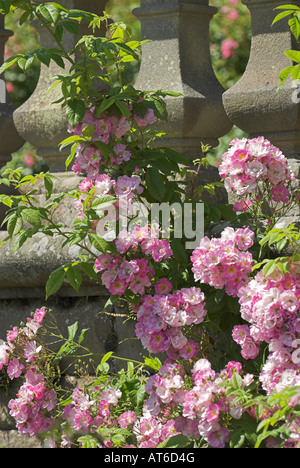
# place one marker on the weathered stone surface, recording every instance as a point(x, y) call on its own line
point(253, 103)
point(13, 440)
point(38, 120)
point(177, 58)
point(11, 141)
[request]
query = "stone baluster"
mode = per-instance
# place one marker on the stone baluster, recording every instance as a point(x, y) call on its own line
point(253, 103)
point(44, 124)
point(11, 141)
point(177, 58)
point(38, 120)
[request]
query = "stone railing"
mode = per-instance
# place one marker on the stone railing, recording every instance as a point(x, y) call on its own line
point(176, 59)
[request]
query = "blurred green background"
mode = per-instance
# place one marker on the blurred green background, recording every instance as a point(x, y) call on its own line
point(230, 35)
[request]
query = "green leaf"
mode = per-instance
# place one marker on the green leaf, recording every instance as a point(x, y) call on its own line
point(89, 271)
point(72, 330)
point(55, 282)
point(88, 442)
point(111, 301)
point(106, 357)
point(153, 363)
point(124, 109)
point(103, 202)
point(284, 74)
point(99, 243)
point(74, 277)
point(5, 6)
point(179, 251)
point(59, 32)
point(43, 58)
point(237, 439)
point(75, 111)
point(72, 139)
point(294, 27)
point(26, 62)
point(178, 441)
point(269, 268)
point(32, 216)
point(88, 131)
point(70, 26)
point(9, 62)
point(48, 185)
point(24, 17)
point(155, 183)
point(294, 55)
point(57, 59)
point(50, 12)
point(14, 225)
point(125, 48)
point(237, 381)
point(18, 241)
point(105, 104)
point(83, 335)
point(289, 6)
point(281, 15)
point(135, 391)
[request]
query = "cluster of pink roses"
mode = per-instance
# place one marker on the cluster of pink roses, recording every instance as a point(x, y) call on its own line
point(161, 318)
point(18, 354)
point(108, 130)
point(204, 406)
point(32, 407)
point(25, 337)
point(124, 189)
point(249, 161)
point(224, 262)
point(87, 412)
point(271, 307)
point(151, 431)
point(135, 273)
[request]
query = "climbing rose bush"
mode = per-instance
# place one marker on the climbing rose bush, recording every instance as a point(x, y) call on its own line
point(162, 317)
point(107, 129)
point(270, 307)
point(248, 162)
point(173, 295)
point(224, 262)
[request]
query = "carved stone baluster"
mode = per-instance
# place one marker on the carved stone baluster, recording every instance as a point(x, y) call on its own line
point(177, 58)
point(38, 120)
point(253, 103)
point(11, 141)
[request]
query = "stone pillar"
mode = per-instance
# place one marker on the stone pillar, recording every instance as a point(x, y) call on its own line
point(11, 141)
point(253, 104)
point(177, 58)
point(38, 120)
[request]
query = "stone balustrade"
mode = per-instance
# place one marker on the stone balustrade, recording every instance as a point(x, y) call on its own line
point(177, 58)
